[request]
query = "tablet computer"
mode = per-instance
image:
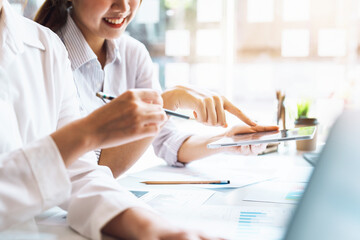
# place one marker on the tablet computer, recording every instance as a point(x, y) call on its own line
point(302, 133)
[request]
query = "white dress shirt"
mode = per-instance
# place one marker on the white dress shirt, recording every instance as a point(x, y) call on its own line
point(37, 97)
point(128, 65)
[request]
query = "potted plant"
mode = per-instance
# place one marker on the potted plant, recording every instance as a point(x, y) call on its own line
point(303, 120)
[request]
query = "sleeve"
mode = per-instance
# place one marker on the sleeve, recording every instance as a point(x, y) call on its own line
point(169, 140)
point(95, 197)
point(25, 189)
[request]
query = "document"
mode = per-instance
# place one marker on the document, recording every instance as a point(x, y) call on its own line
point(295, 174)
point(276, 192)
point(211, 169)
point(165, 200)
point(235, 222)
point(52, 217)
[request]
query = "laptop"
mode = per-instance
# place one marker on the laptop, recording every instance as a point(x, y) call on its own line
point(330, 206)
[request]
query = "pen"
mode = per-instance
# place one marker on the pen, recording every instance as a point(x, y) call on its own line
point(188, 182)
point(167, 111)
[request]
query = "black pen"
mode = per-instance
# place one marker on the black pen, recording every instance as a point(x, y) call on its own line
point(167, 111)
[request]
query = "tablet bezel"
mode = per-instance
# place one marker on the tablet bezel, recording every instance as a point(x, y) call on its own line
point(284, 136)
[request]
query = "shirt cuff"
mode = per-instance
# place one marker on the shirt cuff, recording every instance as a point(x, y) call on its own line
point(49, 171)
point(108, 210)
point(173, 145)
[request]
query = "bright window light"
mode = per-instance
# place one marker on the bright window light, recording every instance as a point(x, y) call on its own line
point(257, 81)
point(295, 43)
point(329, 78)
point(208, 75)
point(177, 43)
point(208, 42)
point(260, 10)
point(177, 74)
point(209, 10)
point(149, 12)
point(296, 10)
point(332, 43)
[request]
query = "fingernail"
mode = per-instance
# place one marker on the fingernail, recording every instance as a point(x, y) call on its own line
point(226, 125)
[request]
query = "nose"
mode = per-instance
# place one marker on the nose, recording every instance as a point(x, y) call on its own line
point(121, 5)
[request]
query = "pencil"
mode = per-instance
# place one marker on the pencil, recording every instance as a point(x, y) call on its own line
point(167, 111)
point(188, 182)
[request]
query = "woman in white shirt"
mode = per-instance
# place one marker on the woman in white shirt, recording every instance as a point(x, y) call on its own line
point(105, 59)
point(43, 142)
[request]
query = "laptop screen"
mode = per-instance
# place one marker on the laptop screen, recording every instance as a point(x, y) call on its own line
point(330, 206)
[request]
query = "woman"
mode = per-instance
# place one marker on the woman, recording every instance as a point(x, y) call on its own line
point(42, 140)
point(104, 59)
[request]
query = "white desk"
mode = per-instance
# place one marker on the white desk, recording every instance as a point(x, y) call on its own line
point(222, 197)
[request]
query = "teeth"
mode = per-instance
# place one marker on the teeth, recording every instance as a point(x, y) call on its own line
point(114, 20)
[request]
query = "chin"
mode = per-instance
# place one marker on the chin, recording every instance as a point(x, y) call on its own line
point(114, 35)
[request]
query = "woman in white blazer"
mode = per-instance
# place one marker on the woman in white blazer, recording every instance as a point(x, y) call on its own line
point(43, 142)
point(104, 59)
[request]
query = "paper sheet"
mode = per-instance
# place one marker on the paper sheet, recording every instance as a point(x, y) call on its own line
point(208, 170)
point(235, 223)
point(53, 217)
point(166, 200)
point(276, 192)
point(295, 174)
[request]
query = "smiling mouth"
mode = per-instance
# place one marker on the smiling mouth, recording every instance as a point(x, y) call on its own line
point(115, 21)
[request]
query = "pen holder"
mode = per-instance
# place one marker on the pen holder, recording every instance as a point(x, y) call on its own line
point(306, 145)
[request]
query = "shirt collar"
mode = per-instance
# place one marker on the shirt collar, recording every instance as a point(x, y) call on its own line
point(79, 50)
point(113, 52)
point(14, 33)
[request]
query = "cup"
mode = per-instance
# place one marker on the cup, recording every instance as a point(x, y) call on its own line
point(306, 145)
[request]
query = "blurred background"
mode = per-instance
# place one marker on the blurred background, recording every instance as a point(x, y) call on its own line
point(249, 49)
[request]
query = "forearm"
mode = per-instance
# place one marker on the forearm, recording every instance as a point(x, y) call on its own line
point(195, 147)
point(121, 158)
point(131, 224)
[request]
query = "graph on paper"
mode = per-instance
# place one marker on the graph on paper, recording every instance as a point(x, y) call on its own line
point(276, 192)
point(234, 223)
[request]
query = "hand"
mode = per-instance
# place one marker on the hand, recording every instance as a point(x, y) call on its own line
point(209, 108)
point(141, 224)
point(134, 115)
point(248, 149)
point(163, 233)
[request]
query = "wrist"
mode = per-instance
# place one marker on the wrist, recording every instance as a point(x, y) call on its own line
point(170, 99)
point(85, 135)
point(72, 141)
point(134, 223)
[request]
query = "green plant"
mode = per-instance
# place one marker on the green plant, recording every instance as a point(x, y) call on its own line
point(303, 109)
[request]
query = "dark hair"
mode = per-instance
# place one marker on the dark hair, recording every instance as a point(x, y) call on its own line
point(53, 14)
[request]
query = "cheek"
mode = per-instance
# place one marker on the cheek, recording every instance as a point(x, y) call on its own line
point(89, 10)
point(134, 5)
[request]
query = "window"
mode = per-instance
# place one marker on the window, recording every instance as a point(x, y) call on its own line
point(247, 49)
point(260, 11)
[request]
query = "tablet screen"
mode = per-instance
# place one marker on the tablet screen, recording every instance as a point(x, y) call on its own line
point(302, 133)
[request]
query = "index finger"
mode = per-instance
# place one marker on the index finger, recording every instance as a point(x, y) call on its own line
point(231, 108)
point(259, 128)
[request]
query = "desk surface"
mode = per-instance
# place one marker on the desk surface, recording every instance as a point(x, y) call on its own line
point(289, 164)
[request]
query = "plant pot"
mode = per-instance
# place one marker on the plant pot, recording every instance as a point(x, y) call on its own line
point(306, 145)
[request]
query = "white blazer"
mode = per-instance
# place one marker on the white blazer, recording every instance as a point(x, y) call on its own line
point(37, 97)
